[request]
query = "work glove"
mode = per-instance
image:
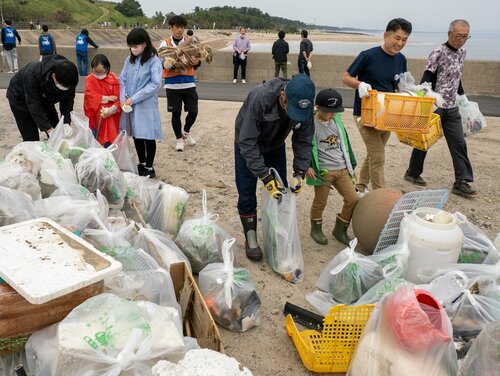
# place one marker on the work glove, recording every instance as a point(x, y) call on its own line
point(273, 186)
point(297, 181)
point(363, 89)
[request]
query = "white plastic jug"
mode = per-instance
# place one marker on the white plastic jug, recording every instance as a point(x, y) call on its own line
point(433, 238)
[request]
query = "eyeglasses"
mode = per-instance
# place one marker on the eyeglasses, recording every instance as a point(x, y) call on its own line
point(463, 37)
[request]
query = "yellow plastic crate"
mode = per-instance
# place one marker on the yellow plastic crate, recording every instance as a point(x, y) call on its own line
point(331, 350)
point(423, 141)
point(369, 108)
point(406, 113)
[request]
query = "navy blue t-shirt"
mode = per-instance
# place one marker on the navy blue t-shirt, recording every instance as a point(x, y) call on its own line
point(379, 69)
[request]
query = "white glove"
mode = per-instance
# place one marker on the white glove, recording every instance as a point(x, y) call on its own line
point(363, 89)
point(462, 99)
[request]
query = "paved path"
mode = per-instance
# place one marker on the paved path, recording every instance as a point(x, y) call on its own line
point(226, 91)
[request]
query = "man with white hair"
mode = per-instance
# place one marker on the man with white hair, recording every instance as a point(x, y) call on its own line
point(444, 71)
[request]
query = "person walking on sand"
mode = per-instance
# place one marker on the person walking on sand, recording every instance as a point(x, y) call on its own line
point(241, 47)
point(46, 43)
point(280, 52)
point(444, 71)
point(9, 36)
point(305, 53)
point(140, 80)
point(377, 68)
point(332, 165)
point(268, 115)
point(180, 85)
point(81, 46)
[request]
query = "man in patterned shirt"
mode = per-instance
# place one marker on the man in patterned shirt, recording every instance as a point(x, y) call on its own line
point(444, 70)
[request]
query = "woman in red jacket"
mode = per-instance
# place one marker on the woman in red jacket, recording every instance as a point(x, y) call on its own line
point(101, 102)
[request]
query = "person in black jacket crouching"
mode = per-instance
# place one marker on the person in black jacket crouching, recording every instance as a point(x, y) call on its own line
point(34, 91)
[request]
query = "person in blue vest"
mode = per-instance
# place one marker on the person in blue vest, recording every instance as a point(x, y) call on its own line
point(46, 43)
point(82, 42)
point(9, 35)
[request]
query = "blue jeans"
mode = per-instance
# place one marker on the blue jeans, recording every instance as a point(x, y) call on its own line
point(246, 182)
point(82, 62)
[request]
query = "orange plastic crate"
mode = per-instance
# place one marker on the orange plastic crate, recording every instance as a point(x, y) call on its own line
point(423, 141)
point(406, 113)
point(331, 350)
point(369, 109)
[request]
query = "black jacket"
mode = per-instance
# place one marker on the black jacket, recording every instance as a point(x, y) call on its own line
point(259, 130)
point(280, 51)
point(33, 88)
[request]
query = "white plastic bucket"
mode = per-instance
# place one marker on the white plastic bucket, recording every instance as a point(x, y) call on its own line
point(434, 238)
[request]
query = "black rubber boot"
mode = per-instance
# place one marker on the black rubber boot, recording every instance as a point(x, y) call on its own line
point(317, 232)
point(340, 231)
point(252, 249)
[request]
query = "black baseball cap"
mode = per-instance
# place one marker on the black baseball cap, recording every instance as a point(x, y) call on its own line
point(329, 100)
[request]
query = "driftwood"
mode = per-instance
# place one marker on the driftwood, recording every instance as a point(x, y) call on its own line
point(190, 48)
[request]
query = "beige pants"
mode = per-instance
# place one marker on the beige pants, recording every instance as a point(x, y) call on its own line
point(341, 181)
point(373, 164)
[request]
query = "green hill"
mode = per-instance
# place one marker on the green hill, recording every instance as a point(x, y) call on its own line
point(66, 12)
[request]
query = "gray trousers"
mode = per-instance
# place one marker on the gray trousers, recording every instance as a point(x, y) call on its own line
point(11, 57)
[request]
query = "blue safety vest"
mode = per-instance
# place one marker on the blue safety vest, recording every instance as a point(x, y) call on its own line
point(46, 44)
point(81, 43)
point(9, 35)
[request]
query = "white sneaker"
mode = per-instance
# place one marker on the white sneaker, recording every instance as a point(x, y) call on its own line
point(179, 146)
point(234, 81)
point(189, 139)
point(362, 194)
point(243, 81)
point(10, 71)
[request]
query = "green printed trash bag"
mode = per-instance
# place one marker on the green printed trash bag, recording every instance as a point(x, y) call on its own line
point(107, 335)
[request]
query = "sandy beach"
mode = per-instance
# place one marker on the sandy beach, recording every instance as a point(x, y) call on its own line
point(267, 350)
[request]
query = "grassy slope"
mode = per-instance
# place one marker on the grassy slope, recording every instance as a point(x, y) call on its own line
point(82, 11)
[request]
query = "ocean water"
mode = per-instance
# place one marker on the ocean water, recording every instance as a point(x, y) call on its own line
point(481, 46)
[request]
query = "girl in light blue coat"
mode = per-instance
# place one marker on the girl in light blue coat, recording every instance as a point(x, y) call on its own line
point(140, 80)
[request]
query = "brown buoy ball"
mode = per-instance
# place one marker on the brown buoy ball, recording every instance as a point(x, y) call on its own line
point(370, 215)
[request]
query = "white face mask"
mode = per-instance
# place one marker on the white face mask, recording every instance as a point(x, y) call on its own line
point(100, 76)
point(136, 51)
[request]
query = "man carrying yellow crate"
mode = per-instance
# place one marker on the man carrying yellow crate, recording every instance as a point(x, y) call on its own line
point(377, 68)
point(444, 70)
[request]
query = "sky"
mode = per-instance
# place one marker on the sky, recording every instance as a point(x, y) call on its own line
point(374, 14)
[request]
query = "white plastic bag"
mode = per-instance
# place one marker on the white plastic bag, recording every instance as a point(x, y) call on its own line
point(107, 335)
point(407, 85)
point(140, 192)
point(166, 211)
point(160, 247)
point(15, 206)
point(482, 358)
point(408, 333)
point(349, 275)
point(321, 301)
point(124, 155)
point(230, 295)
point(201, 238)
point(281, 235)
point(15, 177)
point(97, 170)
point(472, 118)
point(476, 248)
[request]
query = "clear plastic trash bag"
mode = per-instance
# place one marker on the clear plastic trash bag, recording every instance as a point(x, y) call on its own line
point(228, 292)
point(201, 238)
point(281, 235)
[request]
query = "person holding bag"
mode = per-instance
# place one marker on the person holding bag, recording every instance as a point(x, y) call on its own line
point(268, 115)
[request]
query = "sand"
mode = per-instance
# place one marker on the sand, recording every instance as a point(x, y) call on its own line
point(267, 350)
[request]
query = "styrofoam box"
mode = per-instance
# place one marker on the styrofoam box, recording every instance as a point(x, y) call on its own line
point(42, 260)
